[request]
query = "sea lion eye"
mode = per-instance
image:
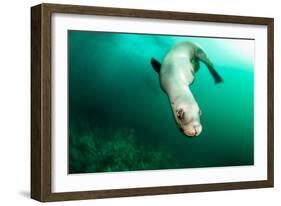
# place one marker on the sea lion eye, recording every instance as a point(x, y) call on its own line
point(180, 114)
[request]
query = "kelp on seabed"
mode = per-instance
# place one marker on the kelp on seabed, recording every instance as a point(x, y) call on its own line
point(120, 151)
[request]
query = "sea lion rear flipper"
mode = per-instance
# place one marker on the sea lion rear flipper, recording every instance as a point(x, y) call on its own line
point(200, 54)
point(156, 65)
point(215, 74)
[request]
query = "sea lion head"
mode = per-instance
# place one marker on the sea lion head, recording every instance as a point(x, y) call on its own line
point(187, 115)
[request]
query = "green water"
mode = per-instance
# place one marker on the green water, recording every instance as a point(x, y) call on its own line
point(120, 119)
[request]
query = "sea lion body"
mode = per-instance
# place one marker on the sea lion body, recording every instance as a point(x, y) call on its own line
point(178, 67)
point(176, 73)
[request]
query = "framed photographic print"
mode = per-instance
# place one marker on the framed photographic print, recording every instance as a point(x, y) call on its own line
point(130, 102)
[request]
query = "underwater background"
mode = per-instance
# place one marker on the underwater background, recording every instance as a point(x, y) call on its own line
point(120, 120)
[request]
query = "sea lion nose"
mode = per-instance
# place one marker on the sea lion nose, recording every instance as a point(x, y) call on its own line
point(195, 132)
point(191, 132)
point(197, 129)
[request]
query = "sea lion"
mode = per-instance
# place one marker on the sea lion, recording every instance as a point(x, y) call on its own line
point(176, 73)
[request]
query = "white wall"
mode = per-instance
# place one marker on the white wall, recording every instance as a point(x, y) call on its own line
point(15, 102)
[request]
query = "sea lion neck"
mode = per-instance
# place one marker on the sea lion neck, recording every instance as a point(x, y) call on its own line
point(180, 94)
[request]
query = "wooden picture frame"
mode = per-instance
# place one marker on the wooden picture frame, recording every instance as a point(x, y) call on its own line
point(41, 101)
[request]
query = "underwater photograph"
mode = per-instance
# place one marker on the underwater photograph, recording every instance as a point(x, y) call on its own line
point(151, 102)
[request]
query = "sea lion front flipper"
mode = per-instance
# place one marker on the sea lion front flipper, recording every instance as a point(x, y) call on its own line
point(156, 65)
point(200, 54)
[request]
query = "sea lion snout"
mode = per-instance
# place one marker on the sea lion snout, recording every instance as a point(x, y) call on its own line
point(188, 118)
point(192, 129)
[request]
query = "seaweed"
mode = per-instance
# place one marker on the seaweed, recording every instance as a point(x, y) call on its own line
point(119, 151)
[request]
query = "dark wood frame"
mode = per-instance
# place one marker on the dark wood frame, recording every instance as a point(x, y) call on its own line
point(41, 101)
